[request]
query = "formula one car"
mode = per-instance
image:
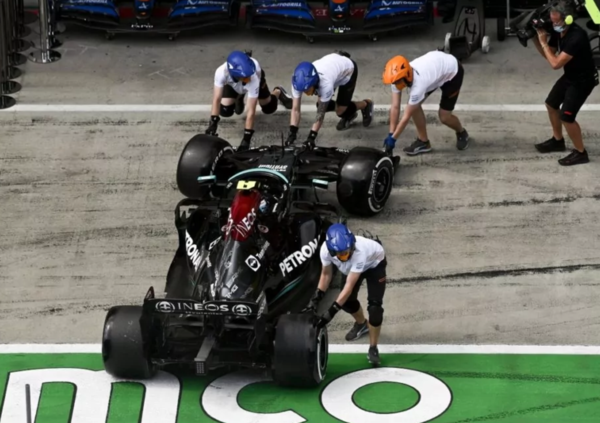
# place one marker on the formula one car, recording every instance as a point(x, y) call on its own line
point(340, 17)
point(169, 17)
point(246, 266)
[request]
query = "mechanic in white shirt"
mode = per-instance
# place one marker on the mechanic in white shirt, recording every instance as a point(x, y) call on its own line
point(358, 258)
point(423, 76)
point(241, 74)
point(322, 77)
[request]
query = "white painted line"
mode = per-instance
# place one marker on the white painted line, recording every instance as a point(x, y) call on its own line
point(205, 108)
point(347, 349)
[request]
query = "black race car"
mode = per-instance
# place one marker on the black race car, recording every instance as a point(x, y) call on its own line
point(246, 266)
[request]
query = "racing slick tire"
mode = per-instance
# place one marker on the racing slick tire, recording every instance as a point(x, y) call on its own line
point(301, 352)
point(365, 181)
point(200, 157)
point(125, 343)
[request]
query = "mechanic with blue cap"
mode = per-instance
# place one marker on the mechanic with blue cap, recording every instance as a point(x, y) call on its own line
point(358, 258)
point(322, 77)
point(239, 75)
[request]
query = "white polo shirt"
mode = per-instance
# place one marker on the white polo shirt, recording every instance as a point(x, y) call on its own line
point(430, 72)
point(222, 78)
point(367, 255)
point(334, 70)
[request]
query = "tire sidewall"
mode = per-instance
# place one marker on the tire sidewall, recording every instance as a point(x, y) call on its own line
point(384, 167)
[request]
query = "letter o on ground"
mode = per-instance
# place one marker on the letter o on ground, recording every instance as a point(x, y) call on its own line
point(435, 396)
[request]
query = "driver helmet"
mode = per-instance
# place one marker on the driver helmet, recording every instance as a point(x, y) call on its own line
point(398, 72)
point(305, 78)
point(240, 66)
point(340, 241)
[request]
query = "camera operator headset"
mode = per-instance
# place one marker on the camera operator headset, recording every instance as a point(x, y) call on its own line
point(567, 47)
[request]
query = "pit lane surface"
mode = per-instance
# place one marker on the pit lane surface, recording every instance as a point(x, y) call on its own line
point(496, 244)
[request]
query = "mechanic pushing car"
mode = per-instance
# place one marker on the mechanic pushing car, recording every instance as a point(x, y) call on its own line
point(575, 85)
point(322, 77)
point(423, 76)
point(239, 75)
point(359, 258)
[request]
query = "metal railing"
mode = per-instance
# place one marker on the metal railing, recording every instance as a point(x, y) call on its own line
point(13, 30)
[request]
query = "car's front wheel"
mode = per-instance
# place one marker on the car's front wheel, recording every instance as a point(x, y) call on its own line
point(365, 181)
point(301, 352)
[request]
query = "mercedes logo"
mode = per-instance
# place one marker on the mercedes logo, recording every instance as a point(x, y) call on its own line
point(165, 306)
point(211, 307)
point(242, 310)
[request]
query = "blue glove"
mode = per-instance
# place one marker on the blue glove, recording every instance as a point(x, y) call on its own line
point(390, 141)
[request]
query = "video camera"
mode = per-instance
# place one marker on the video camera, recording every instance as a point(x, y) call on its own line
point(540, 19)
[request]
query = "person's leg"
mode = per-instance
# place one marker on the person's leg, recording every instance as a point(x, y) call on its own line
point(346, 109)
point(555, 98)
point(376, 281)
point(420, 122)
point(574, 99)
point(352, 306)
point(450, 93)
point(266, 97)
point(230, 101)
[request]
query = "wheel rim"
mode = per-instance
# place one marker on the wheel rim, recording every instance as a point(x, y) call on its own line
point(382, 185)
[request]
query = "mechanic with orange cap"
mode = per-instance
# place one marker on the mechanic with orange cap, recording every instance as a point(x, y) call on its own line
point(423, 76)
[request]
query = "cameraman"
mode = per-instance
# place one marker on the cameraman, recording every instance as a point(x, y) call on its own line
point(573, 88)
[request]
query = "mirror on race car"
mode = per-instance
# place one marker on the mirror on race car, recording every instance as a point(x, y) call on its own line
point(320, 183)
point(207, 180)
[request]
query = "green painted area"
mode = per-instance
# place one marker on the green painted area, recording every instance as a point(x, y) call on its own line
point(485, 388)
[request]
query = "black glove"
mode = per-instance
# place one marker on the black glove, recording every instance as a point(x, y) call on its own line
point(292, 135)
point(214, 123)
point(310, 141)
point(329, 315)
point(314, 301)
point(245, 144)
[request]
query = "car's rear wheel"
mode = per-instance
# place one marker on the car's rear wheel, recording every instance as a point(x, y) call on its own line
point(200, 157)
point(301, 352)
point(125, 343)
point(365, 181)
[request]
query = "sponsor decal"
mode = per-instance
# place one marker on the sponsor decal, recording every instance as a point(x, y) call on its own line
point(278, 168)
point(373, 178)
point(205, 3)
point(219, 155)
point(212, 244)
point(192, 251)
point(141, 26)
point(298, 257)
point(210, 308)
point(165, 397)
point(284, 4)
point(244, 226)
point(263, 229)
point(253, 262)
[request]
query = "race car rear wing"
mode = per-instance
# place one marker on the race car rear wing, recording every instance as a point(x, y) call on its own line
point(176, 306)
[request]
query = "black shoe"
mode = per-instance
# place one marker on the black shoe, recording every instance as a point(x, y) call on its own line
point(357, 331)
point(285, 98)
point(374, 356)
point(345, 123)
point(239, 105)
point(367, 113)
point(551, 145)
point(575, 158)
point(418, 147)
point(462, 140)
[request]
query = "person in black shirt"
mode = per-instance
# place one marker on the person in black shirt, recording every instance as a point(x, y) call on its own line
point(573, 87)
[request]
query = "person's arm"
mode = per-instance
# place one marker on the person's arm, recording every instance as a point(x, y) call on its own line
point(351, 280)
point(216, 102)
point(555, 61)
point(408, 112)
point(321, 110)
point(296, 103)
point(325, 278)
point(395, 109)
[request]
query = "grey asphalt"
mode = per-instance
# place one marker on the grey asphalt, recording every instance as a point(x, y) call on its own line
point(495, 244)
